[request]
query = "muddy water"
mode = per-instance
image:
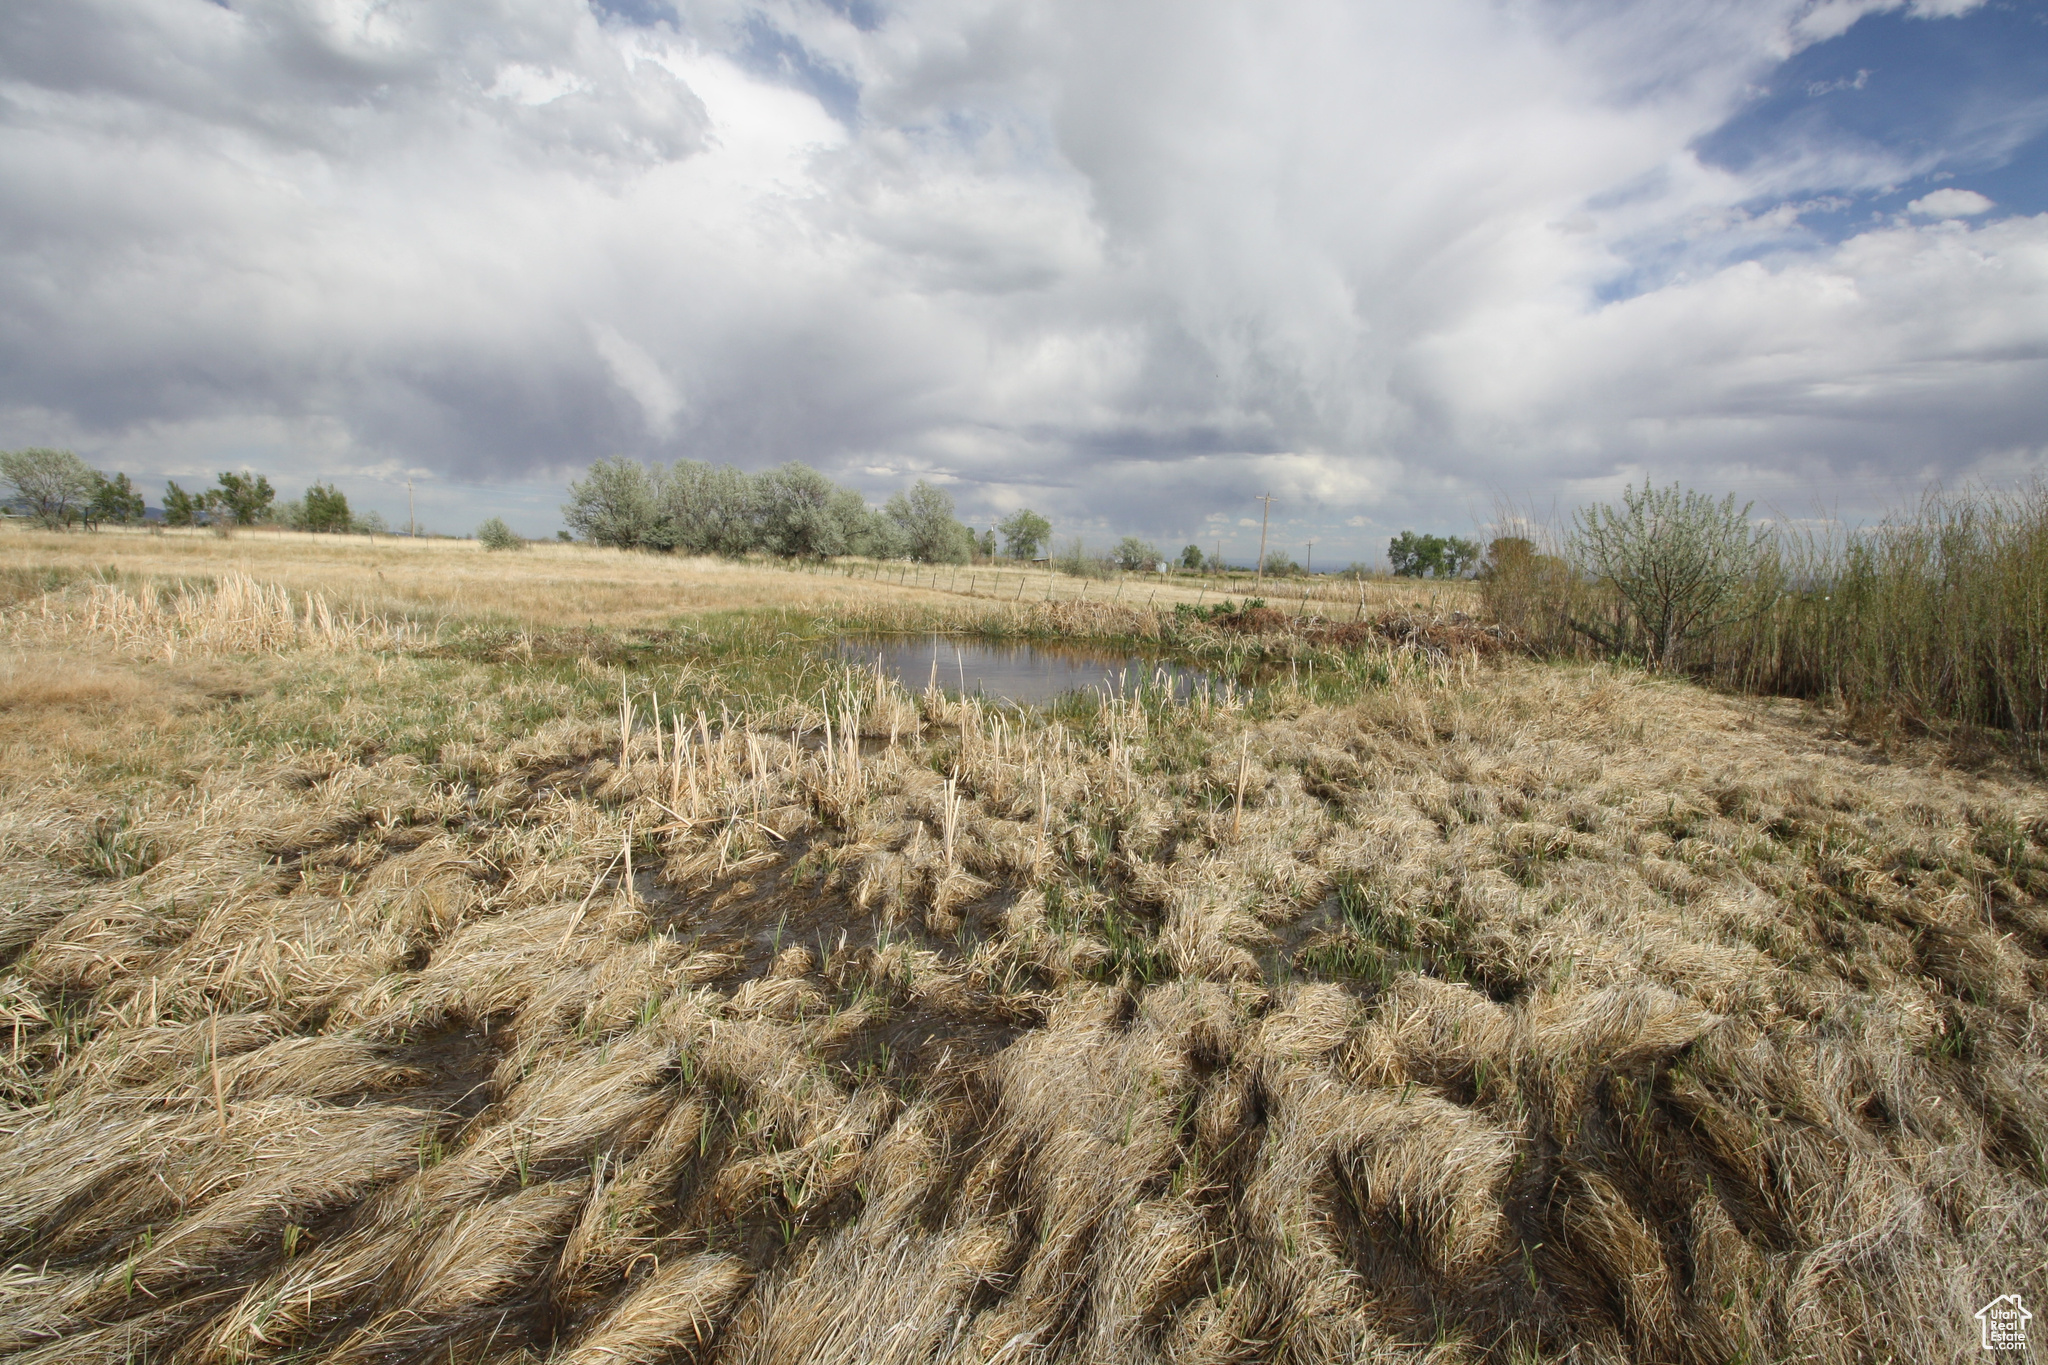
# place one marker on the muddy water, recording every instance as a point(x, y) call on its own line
point(1028, 674)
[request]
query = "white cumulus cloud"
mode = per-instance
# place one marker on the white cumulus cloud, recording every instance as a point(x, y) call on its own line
point(1950, 203)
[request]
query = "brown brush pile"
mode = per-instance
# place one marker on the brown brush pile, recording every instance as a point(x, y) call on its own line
point(1562, 1016)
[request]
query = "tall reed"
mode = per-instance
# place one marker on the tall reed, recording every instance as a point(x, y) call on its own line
point(1937, 615)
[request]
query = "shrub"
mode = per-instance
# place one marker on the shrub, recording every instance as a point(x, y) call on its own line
point(1534, 595)
point(614, 504)
point(1280, 564)
point(494, 534)
point(1681, 566)
point(801, 513)
point(711, 509)
point(1079, 563)
point(924, 517)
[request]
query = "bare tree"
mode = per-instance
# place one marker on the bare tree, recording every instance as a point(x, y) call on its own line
point(1681, 566)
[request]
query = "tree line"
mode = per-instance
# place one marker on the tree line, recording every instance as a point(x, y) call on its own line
point(692, 507)
point(58, 489)
point(793, 512)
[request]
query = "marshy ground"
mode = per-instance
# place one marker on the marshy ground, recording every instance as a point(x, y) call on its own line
point(570, 958)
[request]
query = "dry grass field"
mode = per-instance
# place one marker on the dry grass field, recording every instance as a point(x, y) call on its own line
point(553, 584)
point(560, 957)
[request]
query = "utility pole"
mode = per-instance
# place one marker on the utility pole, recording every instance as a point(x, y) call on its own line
point(412, 525)
point(1264, 517)
point(1311, 570)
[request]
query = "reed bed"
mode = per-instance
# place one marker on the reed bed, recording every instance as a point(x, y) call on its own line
point(482, 1000)
point(237, 615)
point(1936, 617)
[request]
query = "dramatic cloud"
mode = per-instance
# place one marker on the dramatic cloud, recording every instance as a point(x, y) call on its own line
point(1129, 264)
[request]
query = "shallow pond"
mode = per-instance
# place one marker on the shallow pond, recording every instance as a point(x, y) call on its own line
point(1028, 674)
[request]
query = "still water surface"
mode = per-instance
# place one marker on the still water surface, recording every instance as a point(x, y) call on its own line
point(1030, 675)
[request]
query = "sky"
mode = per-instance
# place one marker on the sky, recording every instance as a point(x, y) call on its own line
point(1401, 266)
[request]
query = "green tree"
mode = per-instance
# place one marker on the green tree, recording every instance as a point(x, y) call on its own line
point(53, 486)
point(985, 546)
point(1681, 564)
point(1431, 556)
point(1191, 558)
point(801, 513)
point(614, 504)
point(181, 508)
point(878, 536)
point(1132, 554)
point(706, 509)
point(494, 534)
point(1024, 532)
point(931, 534)
point(326, 509)
point(114, 500)
point(243, 499)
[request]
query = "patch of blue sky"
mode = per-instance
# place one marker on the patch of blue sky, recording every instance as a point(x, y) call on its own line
point(1848, 132)
point(865, 15)
point(771, 53)
point(645, 13)
point(1898, 106)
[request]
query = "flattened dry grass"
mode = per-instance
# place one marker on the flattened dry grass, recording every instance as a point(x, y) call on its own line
point(653, 1004)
